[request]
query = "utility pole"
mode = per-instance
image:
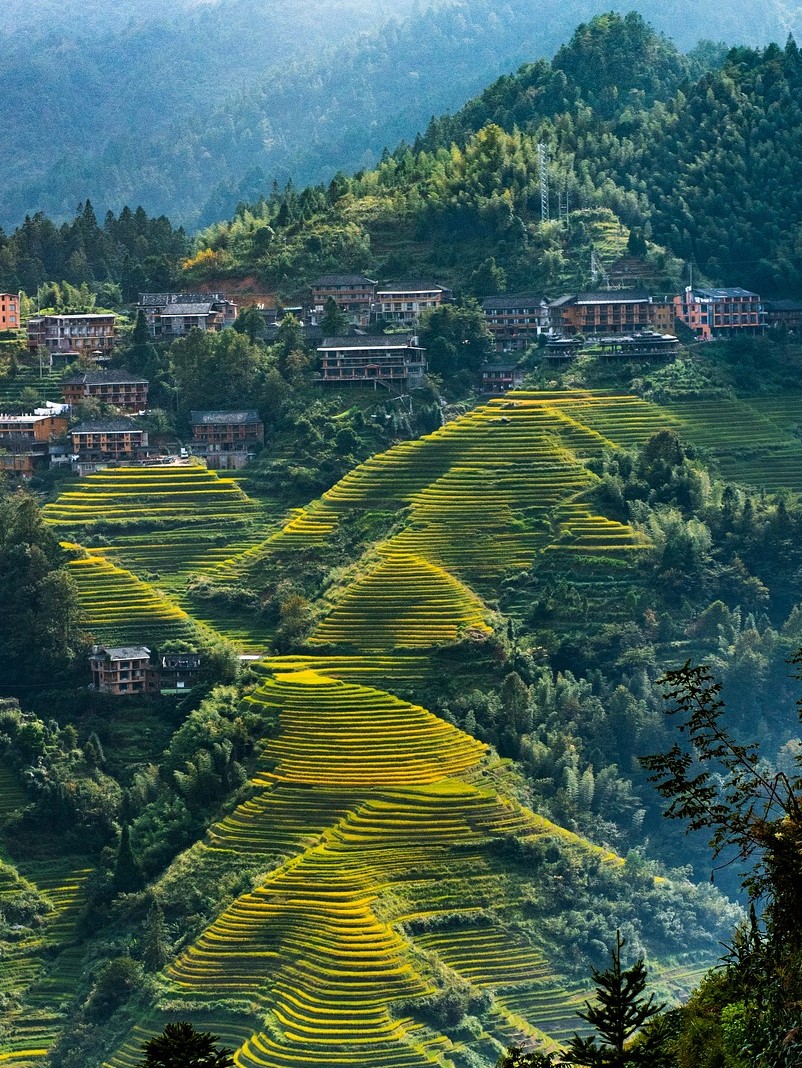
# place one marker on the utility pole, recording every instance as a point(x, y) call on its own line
point(543, 164)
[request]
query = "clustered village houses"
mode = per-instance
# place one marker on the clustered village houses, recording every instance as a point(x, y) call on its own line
point(379, 346)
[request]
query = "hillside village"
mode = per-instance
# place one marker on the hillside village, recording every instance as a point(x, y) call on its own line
point(376, 343)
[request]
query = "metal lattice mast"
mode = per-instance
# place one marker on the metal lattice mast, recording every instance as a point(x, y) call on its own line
point(562, 202)
point(543, 162)
point(596, 269)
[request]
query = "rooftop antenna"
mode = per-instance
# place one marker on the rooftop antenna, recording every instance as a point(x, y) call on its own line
point(543, 163)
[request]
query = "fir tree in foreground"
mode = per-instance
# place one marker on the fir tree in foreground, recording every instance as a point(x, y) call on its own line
point(619, 1011)
point(181, 1046)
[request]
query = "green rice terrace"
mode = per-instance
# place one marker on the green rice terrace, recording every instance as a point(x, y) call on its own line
point(375, 837)
point(379, 842)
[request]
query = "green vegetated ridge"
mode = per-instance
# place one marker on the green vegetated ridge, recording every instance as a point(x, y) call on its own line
point(194, 139)
point(623, 113)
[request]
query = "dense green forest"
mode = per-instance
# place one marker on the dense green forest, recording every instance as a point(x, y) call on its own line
point(188, 109)
point(623, 114)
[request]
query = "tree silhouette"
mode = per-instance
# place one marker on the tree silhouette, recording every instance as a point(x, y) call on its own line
point(619, 1012)
point(181, 1046)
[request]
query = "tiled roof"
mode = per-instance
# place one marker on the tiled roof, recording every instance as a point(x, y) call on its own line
point(100, 378)
point(105, 426)
point(125, 652)
point(512, 300)
point(169, 310)
point(204, 418)
point(343, 280)
point(385, 341)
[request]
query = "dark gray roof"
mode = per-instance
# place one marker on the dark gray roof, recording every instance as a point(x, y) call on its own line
point(170, 310)
point(723, 294)
point(343, 280)
point(124, 652)
point(410, 287)
point(612, 296)
point(500, 368)
point(385, 341)
point(512, 300)
point(248, 416)
point(100, 426)
point(99, 378)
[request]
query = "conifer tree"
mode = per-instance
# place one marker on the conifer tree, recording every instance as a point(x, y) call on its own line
point(154, 953)
point(181, 1046)
point(127, 876)
point(619, 1012)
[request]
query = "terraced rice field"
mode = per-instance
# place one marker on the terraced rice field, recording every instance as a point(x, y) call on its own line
point(749, 441)
point(121, 609)
point(484, 496)
point(43, 989)
point(367, 802)
point(163, 523)
point(47, 387)
point(173, 496)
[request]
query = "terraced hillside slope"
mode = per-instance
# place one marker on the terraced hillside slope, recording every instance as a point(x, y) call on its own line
point(485, 495)
point(154, 524)
point(377, 843)
point(384, 859)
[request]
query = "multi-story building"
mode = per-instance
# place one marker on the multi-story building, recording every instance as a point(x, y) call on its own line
point(123, 670)
point(227, 440)
point(516, 321)
point(405, 302)
point(392, 358)
point(98, 441)
point(354, 294)
point(500, 377)
point(720, 313)
point(787, 313)
point(179, 671)
point(9, 311)
point(25, 440)
point(607, 313)
point(172, 315)
point(81, 335)
point(125, 391)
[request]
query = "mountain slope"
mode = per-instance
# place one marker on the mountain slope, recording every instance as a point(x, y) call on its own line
point(637, 140)
point(164, 107)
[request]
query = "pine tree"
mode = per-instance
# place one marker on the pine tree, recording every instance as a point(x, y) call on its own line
point(154, 951)
point(619, 1012)
point(334, 320)
point(181, 1046)
point(127, 876)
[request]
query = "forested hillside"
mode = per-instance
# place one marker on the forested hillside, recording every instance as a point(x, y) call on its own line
point(189, 109)
point(639, 139)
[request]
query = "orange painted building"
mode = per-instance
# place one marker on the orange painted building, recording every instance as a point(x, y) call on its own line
point(9, 311)
point(721, 313)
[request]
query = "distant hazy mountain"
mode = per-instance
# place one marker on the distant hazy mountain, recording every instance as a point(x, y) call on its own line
point(187, 107)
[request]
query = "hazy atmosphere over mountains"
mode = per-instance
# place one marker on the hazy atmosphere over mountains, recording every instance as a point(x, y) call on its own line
point(189, 108)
